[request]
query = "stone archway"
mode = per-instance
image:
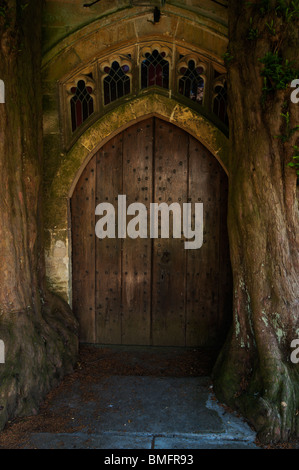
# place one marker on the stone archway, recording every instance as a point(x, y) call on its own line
point(92, 39)
point(57, 235)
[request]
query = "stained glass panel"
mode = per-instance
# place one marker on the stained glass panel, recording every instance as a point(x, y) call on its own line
point(155, 70)
point(191, 84)
point(220, 103)
point(117, 84)
point(82, 105)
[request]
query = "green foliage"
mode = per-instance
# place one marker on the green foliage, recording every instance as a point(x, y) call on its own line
point(271, 28)
point(4, 14)
point(253, 33)
point(277, 73)
point(286, 137)
point(263, 6)
point(288, 130)
point(295, 160)
point(227, 57)
point(287, 9)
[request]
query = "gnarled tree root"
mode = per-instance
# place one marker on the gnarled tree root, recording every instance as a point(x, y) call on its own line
point(39, 350)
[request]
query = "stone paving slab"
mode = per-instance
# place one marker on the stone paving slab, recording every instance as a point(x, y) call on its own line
point(132, 441)
point(152, 405)
point(128, 412)
point(202, 442)
point(90, 441)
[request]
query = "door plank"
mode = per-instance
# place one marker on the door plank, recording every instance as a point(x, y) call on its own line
point(136, 269)
point(203, 264)
point(169, 255)
point(83, 255)
point(108, 295)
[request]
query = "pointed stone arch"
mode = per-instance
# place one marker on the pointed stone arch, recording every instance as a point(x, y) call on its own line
point(72, 164)
point(66, 56)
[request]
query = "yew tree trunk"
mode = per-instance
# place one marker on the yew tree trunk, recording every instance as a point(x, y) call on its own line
point(254, 372)
point(38, 329)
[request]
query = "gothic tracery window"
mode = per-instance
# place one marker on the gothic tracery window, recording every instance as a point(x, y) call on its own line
point(220, 102)
point(155, 70)
point(82, 104)
point(191, 83)
point(174, 71)
point(117, 83)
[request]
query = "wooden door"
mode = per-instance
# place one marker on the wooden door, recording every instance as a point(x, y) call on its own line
point(151, 291)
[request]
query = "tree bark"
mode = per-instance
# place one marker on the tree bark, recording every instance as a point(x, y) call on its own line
point(38, 328)
point(254, 373)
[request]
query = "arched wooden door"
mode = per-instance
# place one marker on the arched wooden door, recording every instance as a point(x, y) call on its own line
point(151, 291)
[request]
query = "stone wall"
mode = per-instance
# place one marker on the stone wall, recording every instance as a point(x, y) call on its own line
point(62, 17)
point(74, 36)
